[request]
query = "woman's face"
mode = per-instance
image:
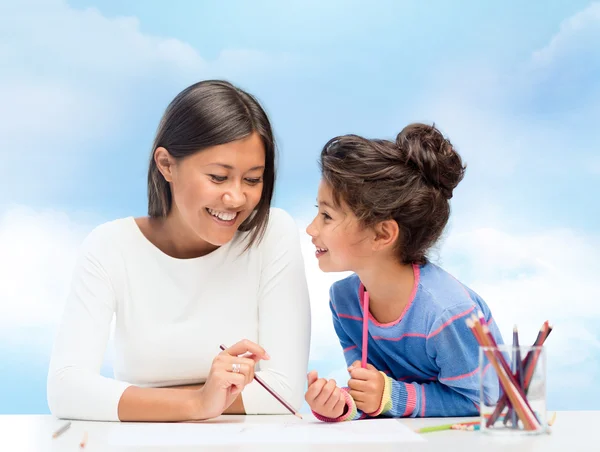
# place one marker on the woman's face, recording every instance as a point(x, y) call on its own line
point(215, 190)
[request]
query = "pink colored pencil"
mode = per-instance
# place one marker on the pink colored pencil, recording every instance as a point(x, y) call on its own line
point(365, 338)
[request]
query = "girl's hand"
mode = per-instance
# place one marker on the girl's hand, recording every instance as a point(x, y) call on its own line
point(366, 387)
point(324, 397)
point(228, 376)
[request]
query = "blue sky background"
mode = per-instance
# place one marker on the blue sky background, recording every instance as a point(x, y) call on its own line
point(516, 87)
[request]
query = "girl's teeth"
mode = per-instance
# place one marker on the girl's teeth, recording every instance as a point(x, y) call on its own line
point(225, 216)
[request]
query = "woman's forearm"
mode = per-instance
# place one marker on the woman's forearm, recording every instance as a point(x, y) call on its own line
point(159, 405)
point(237, 407)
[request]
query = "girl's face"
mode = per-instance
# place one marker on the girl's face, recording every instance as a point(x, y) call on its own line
point(342, 244)
point(215, 190)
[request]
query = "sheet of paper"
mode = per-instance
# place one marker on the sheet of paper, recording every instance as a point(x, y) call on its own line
point(371, 431)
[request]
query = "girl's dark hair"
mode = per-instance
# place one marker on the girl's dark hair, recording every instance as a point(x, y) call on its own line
point(410, 181)
point(206, 114)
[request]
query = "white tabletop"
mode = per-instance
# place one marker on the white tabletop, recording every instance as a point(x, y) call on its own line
point(572, 431)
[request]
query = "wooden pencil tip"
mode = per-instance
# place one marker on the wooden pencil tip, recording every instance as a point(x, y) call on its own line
point(83, 442)
point(298, 415)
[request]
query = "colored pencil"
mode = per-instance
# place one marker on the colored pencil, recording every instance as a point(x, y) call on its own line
point(465, 427)
point(272, 392)
point(365, 337)
point(507, 380)
point(520, 394)
point(518, 369)
point(439, 428)
point(61, 430)
point(543, 334)
point(83, 440)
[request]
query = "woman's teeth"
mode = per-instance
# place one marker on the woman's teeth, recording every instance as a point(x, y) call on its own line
point(225, 216)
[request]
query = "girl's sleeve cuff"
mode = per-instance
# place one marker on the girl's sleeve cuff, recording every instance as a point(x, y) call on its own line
point(350, 414)
point(386, 399)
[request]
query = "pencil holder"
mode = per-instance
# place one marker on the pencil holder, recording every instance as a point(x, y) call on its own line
point(513, 389)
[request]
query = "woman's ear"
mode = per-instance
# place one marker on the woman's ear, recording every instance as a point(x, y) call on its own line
point(164, 162)
point(386, 234)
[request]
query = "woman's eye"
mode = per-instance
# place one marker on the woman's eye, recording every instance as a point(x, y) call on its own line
point(216, 178)
point(326, 216)
point(254, 181)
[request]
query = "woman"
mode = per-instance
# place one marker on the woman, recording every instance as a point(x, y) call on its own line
point(212, 264)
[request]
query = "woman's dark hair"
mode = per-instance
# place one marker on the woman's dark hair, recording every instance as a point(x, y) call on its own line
point(206, 114)
point(410, 181)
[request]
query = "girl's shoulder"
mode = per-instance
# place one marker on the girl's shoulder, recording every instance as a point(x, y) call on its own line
point(445, 292)
point(345, 292)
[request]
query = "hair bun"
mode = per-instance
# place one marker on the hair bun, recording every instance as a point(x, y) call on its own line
point(425, 148)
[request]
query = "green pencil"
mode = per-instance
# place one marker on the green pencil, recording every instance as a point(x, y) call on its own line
point(435, 428)
point(439, 428)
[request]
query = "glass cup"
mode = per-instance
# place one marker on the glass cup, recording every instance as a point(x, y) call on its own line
point(499, 394)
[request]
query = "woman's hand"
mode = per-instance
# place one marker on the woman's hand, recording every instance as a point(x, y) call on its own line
point(228, 376)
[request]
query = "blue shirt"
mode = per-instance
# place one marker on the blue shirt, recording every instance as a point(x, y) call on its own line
point(429, 355)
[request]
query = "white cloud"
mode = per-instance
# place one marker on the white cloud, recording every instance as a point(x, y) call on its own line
point(529, 278)
point(73, 78)
point(38, 253)
point(79, 67)
point(582, 30)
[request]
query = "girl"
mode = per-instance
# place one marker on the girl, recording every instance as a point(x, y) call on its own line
point(382, 205)
point(212, 263)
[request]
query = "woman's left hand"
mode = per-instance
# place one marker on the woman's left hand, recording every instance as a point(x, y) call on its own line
point(366, 387)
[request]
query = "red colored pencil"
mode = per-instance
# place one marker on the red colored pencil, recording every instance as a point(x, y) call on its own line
point(543, 334)
point(507, 381)
point(272, 392)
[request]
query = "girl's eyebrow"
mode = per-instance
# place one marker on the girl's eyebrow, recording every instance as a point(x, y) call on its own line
point(325, 203)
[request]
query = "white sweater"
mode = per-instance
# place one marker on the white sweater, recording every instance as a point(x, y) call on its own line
point(172, 314)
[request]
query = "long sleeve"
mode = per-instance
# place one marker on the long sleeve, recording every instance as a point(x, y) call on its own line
point(75, 388)
point(352, 351)
point(455, 351)
point(284, 319)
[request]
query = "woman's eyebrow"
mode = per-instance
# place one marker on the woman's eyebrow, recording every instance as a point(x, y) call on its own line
point(226, 166)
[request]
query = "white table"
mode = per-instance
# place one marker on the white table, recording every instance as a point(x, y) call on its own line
point(573, 431)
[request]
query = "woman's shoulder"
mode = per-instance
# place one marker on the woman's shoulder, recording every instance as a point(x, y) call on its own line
point(109, 235)
point(281, 227)
point(279, 218)
point(280, 236)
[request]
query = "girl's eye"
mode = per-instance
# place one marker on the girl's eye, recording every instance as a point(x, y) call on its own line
point(216, 178)
point(325, 215)
point(254, 181)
